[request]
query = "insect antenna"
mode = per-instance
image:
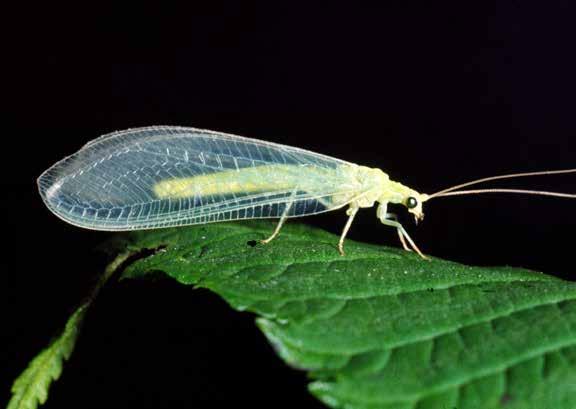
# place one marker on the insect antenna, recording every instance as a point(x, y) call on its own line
point(453, 191)
point(521, 191)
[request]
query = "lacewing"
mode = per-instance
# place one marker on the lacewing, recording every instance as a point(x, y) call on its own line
point(166, 176)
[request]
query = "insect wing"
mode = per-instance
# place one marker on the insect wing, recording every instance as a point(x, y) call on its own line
point(167, 176)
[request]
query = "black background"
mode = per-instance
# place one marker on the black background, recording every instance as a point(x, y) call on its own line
point(434, 95)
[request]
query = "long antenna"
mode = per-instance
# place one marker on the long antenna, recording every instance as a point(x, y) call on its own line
point(521, 191)
point(446, 192)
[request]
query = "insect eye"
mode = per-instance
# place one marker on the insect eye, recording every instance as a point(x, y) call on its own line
point(412, 202)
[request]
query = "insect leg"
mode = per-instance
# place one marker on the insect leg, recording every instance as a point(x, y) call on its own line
point(392, 216)
point(279, 225)
point(382, 214)
point(351, 212)
point(402, 231)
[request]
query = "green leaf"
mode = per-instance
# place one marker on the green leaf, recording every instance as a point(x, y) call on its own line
point(380, 327)
point(31, 388)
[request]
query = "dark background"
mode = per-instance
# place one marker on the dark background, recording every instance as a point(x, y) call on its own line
point(434, 95)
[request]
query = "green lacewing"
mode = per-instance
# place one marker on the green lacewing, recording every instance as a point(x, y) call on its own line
point(165, 176)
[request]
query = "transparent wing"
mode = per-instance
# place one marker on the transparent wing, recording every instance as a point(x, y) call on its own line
point(167, 176)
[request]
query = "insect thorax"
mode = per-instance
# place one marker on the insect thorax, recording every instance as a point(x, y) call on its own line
point(377, 187)
point(372, 182)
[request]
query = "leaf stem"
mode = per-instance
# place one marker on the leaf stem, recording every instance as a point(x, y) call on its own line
point(30, 388)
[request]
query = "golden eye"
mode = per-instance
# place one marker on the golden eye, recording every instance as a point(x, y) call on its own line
point(412, 202)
